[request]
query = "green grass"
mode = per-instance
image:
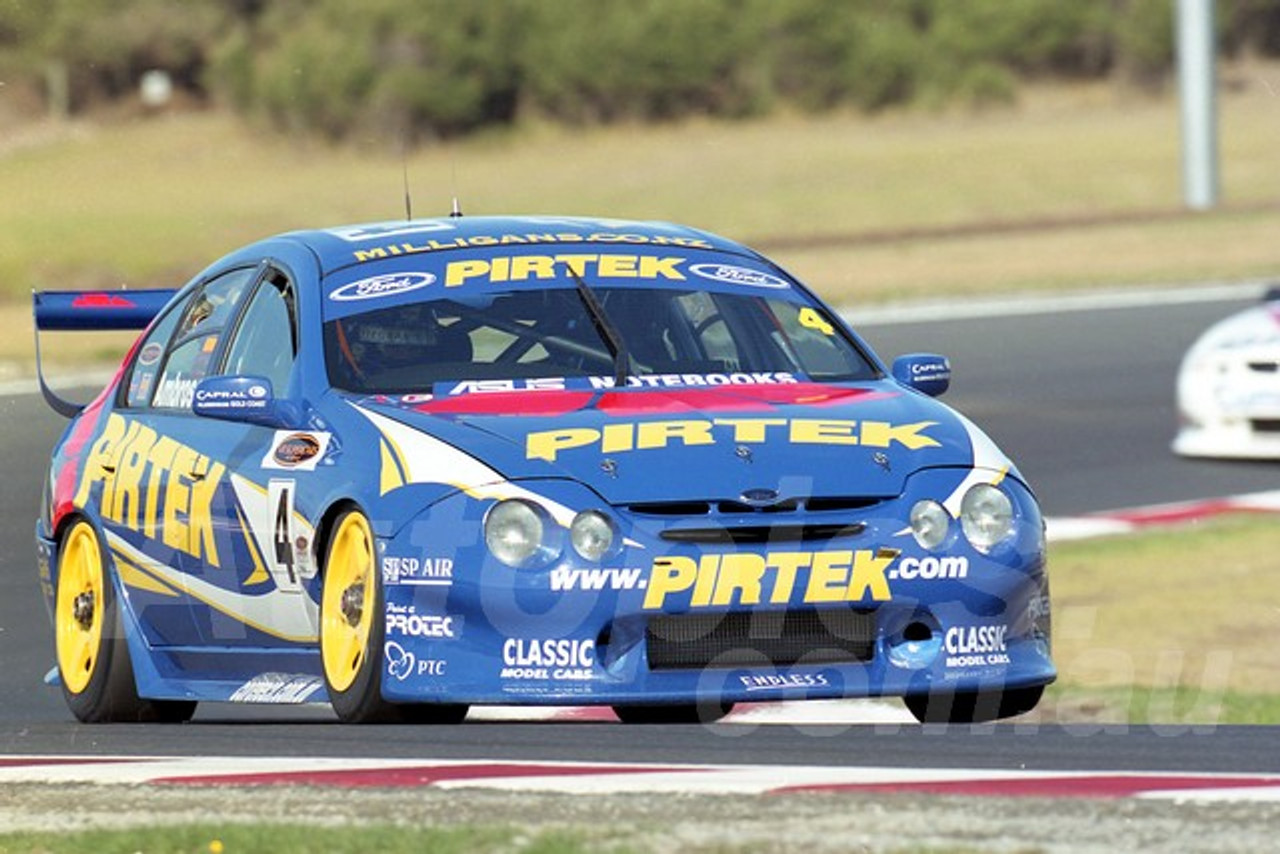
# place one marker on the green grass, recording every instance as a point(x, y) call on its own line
point(382, 838)
point(239, 838)
point(1189, 706)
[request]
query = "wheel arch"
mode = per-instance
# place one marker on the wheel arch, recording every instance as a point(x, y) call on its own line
point(110, 571)
point(69, 519)
point(325, 526)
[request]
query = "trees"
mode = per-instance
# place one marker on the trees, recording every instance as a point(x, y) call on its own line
point(400, 69)
point(409, 70)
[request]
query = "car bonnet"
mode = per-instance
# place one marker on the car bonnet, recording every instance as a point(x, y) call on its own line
point(764, 443)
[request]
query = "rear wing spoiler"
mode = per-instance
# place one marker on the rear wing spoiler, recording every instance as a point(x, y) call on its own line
point(90, 311)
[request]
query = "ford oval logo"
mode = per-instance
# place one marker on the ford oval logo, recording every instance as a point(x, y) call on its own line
point(759, 497)
point(732, 275)
point(382, 286)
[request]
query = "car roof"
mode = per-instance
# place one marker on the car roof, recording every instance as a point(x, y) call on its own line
point(343, 246)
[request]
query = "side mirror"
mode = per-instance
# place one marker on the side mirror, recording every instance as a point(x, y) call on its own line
point(244, 400)
point(927, 373)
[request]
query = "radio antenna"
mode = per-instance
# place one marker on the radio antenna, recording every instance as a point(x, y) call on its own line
point(408, 202)
point(456, 211)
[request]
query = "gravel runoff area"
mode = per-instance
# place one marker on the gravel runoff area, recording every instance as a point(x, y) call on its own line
point(659, 823)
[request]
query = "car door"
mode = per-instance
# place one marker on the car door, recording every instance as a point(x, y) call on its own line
point(224, 530)
point(267, 603)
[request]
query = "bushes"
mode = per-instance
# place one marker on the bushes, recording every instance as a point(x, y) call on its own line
point(584, 60)
point(415, 69)
point(385, 67)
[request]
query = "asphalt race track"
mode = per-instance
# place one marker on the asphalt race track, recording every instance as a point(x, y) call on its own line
point(1083, 401)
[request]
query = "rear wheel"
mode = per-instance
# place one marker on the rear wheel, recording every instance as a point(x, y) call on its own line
point(352, 633)
point(968, 707)
point(684, 713)
point(93, 656)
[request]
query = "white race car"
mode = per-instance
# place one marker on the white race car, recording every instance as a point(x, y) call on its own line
point(1229, 387)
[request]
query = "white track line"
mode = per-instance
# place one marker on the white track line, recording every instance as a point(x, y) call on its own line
point(1021, 306)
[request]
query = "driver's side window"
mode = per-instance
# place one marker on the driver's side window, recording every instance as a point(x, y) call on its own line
point(265, 342)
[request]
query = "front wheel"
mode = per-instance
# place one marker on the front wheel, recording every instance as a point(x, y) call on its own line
point(971, 707)
point(352, 633)
point(351, 629)
point(683, 713)
point(93, 656)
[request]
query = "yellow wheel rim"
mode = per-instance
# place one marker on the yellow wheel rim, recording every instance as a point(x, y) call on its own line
point(348, 602)
point(79, 608)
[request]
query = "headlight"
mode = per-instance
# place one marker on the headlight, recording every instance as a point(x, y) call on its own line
point(592, 534)
point(986, 514)
point(929, 523)
point(515, 531)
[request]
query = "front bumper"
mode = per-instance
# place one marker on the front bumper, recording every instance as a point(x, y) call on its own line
point(864, 613)
point(1234, 438)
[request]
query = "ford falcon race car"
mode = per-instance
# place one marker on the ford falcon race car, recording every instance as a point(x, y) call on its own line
point(410, 467)
point(1229, 387)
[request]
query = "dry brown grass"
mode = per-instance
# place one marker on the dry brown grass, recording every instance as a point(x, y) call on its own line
point(148, 203)
point(1190, 607)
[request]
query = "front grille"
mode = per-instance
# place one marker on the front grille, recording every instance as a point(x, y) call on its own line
point(790, 505)
point(671, 508)
point(1266, 425)
point(730, 523)
point(759, 534)
point(760, 639)
point(1265, 367)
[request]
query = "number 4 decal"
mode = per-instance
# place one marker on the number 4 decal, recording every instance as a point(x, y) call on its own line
point(280, 499)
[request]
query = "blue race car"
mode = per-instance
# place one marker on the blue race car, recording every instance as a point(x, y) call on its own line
point(411, 467)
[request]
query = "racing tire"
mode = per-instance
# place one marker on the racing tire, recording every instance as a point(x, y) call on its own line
point(93, 656)
point(683, 713)
point(351, 625)
point(972, 707)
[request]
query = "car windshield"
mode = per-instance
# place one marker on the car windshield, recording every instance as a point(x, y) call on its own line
point(691, 335)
